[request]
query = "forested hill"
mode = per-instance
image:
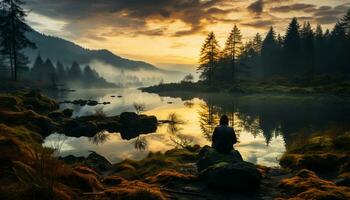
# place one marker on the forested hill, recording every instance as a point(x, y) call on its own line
point(67, 52)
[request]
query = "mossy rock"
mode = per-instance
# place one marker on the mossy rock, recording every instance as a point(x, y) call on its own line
point(342, 142)
point(320, 162)
point(39, 102)
point(239, 176)
point(209, 156)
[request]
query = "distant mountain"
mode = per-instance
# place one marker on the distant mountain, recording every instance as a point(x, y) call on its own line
point(59, 49)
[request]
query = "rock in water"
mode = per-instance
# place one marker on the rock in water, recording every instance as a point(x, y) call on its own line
point(209, 156)
point(239, 176)
point(133, 125)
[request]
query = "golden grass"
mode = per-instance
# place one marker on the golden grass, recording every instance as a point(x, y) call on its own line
point(134, 190)
point(307, 185)
point(171, 176)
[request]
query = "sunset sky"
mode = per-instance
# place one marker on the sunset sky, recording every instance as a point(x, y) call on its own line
point(169, 33)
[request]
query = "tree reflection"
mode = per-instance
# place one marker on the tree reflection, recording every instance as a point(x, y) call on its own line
point(181, 141)
point(99, 138)
point(174, 128)
point(140, 143)
point(208, 119)
point(188, 104)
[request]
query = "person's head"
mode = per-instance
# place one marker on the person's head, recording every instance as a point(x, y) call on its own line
point(224, 120)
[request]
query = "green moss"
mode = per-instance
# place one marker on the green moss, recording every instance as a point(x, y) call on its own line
point(325, 151)
point(342, 142)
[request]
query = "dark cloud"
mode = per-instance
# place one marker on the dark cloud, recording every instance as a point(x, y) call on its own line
point(133, 17)
point(294, 7)
point(256, 7)
point(131, 13)
point(260, 23)
point(151, 32)
point(329, 15)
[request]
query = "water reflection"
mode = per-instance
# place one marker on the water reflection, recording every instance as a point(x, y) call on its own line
point(265, 125)
point(140, 143)
point(100, 138)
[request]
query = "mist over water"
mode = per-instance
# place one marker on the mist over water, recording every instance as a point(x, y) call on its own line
point(140, 77)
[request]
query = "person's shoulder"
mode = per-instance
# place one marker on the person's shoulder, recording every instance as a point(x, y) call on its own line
point(231, 128)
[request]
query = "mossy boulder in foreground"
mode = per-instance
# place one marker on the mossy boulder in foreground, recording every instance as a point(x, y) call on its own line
point(209, 156)
point(227, 172)
point(239, 176)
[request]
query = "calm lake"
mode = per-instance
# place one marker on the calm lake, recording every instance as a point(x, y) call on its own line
point(265, 125)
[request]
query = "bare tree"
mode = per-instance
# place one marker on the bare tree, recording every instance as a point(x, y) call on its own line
point(188, 78)
point(139, 107)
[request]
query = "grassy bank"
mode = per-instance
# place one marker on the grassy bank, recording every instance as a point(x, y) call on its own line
point(321, 85)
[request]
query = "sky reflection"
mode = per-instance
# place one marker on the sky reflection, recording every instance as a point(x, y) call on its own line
point(252, 147)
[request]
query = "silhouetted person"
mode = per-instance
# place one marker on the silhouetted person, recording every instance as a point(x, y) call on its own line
point(224, 137)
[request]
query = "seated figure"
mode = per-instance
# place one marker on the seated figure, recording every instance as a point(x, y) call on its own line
point(224, 137)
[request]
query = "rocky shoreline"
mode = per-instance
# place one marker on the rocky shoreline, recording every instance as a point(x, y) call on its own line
point(318, 168)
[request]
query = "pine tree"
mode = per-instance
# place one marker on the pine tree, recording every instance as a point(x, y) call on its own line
point(50, 71)
point(209, 57)
point(319, 33)
point(291, 48)
point(338, 46)
point(345, 22)
point(307, 39)
point(61, 71)
point(233, 49)
point(75, 73)
point(257, 43)
point(12, 34)
point(38, 69)
point(247, 60)
point(90, 74)
point(270, 53)
point(320, 50)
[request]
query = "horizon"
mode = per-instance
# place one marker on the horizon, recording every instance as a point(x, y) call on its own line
point(177, 31)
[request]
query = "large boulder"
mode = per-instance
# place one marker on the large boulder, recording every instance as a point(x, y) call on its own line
point(93, 160)
point(77, 128)
point(209, 156)
point(227, 171)
point(239, 176)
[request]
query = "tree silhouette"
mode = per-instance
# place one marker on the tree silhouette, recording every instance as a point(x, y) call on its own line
point(269, 53)
point(257, 43)
point(12, 32)
point(50, 71)
point(345, 22)
point(61, 71)
point(38, 69)
point(75, 72)
point(233, 49)
point(291, 47)
point(338, 40)
point(209, 56)
point(188, 78)
point(90, 75)
point(307, 38)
